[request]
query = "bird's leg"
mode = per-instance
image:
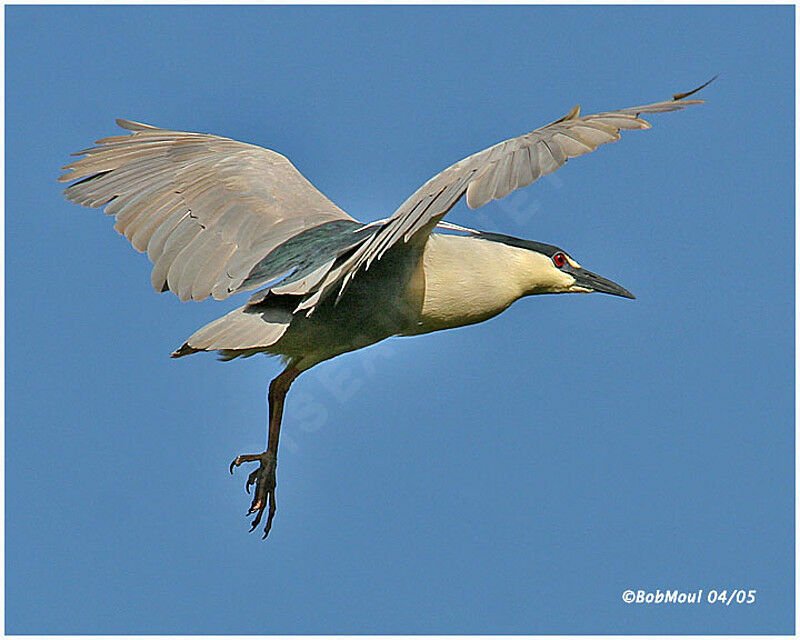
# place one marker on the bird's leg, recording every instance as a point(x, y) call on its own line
point(264, 477)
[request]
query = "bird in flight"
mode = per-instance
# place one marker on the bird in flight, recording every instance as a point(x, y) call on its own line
point(219, 217)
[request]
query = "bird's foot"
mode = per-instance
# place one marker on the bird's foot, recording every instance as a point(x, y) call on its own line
point(264, 480)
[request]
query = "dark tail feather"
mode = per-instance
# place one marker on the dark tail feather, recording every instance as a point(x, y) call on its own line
point(185, 350)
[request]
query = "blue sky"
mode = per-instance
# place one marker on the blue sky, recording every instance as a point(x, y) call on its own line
point(511, 477)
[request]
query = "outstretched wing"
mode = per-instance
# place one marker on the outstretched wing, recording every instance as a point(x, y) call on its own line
point(492, 174)
point(206, 209)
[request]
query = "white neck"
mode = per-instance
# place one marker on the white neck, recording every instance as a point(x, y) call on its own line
point(464, 280)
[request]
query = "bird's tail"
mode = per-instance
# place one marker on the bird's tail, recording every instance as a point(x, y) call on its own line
point(243, 331)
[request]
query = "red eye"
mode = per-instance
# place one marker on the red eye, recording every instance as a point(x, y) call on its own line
point(559, 260)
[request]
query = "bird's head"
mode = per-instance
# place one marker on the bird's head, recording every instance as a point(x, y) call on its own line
point(550, 269)
point(562, 274)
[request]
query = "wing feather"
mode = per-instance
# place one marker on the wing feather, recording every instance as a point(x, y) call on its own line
point(492, 174)
point(204, 208)
point(207, 209)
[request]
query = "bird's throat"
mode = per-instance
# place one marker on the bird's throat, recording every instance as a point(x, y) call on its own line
point(463, 280)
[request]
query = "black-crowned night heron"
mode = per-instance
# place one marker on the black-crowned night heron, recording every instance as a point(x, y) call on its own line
point(218, 217)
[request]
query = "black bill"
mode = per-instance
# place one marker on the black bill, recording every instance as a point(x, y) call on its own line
point(584, 278)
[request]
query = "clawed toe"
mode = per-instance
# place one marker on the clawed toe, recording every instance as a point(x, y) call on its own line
point(250, 457)
point(251, 480)
point(264, 480)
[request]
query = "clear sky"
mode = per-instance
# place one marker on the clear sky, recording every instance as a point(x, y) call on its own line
point(511, 477)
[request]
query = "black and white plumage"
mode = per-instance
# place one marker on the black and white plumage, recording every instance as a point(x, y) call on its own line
point(218, 217)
